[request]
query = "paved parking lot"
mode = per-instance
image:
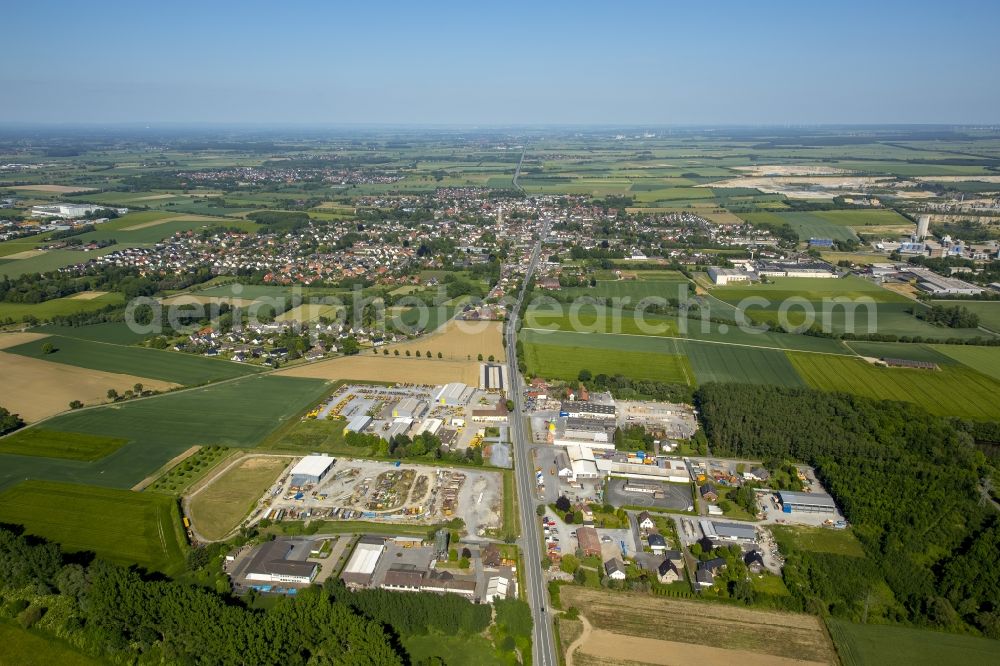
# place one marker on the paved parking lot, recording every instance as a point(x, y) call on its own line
point(675, 495)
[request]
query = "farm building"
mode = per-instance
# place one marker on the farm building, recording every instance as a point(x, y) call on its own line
point(806, 502)
point(359, 569)
point(271, 565)
point(724, 276)
point(589, 541)
point(311, 469)
point(493, 377)
point(454, 394)
point(358, 423)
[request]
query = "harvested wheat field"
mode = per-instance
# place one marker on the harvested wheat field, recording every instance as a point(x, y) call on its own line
point(459, 340)
point(15, 339)
point(308, 312)
point(369, 367)
point(37, 389)
point(26, 254)
point(175, 218)
point(618, 627)
point(191, 299)
point(88, 295)
point(59, 189)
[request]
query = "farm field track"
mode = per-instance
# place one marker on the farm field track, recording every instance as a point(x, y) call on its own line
point(239, 414)
point(169, 366)
point(458, 340)
point(983, 359)
point(53, 444)
point(173, 218)
point(126, 527)
point(711, 633)
point(37, 388)
point(863, 644)
point(950, 391)
point(219, 505)
point(369, 367)
point(909, 351)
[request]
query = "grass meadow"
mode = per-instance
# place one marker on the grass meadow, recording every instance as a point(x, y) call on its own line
point(861, 644)
point(55, 444)
point(126, 527)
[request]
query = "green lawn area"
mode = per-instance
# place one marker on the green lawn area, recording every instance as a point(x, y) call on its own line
point(863, 644)
point(235, 414)
point(53, 444)
point(168, 366)
point(563, 362)
point(770, 584)
point(667, 287)
point(452, 650)
point(120, 525)
point(820, 540)
point(57, 307)
point(950, 391)
point(222, 505)
point(34, 648)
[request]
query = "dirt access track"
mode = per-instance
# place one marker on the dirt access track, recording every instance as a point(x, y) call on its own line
point(621, 625)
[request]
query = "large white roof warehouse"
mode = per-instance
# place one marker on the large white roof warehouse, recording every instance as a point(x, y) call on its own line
point(311, 469)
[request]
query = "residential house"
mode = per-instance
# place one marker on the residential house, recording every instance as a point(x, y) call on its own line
point(657, 543)
point(668, 572)
point(708, 492)
point(615, 569)
point(646, 521)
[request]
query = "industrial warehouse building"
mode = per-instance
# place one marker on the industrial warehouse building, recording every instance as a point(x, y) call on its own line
point(311, 469)
point(806, 502)
point(359, 569)
point(493, 377)
point(455, 394)
point(724, 276)
point(69, 211)
point(271, 565)
point(587, 410)
point(719, 531)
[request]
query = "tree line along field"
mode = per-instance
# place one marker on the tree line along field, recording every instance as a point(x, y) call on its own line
point(165, 365)
point(239, 414)
point(120, 525)
point(862, 644)
point(988, 311)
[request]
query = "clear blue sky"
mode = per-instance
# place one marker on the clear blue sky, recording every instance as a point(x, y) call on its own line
point(500, 63)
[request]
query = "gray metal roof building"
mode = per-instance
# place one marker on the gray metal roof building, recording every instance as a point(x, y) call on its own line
point(808, 502)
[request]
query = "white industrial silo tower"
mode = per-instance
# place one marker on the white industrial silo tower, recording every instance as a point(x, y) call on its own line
point(923, 227)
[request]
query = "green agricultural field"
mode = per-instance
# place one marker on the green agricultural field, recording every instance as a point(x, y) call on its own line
point(116, 333)
point(886, 645)
point(950, 391)
point(126, 527)
point(805, 225)
point(139, 361)
point(601, 320)
point(635, 290)
point(54, 444)
point(903, 350)
point(441, 649)
point(559, 362)
point(50, 260)
point(731, 363)
point(983, 359)
point(810, 289)
point(237, 414)
point(988, 311)
point(319, 435)
point(820, 540)
point(219, 507)
point(34, 648)
point(58, 307)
